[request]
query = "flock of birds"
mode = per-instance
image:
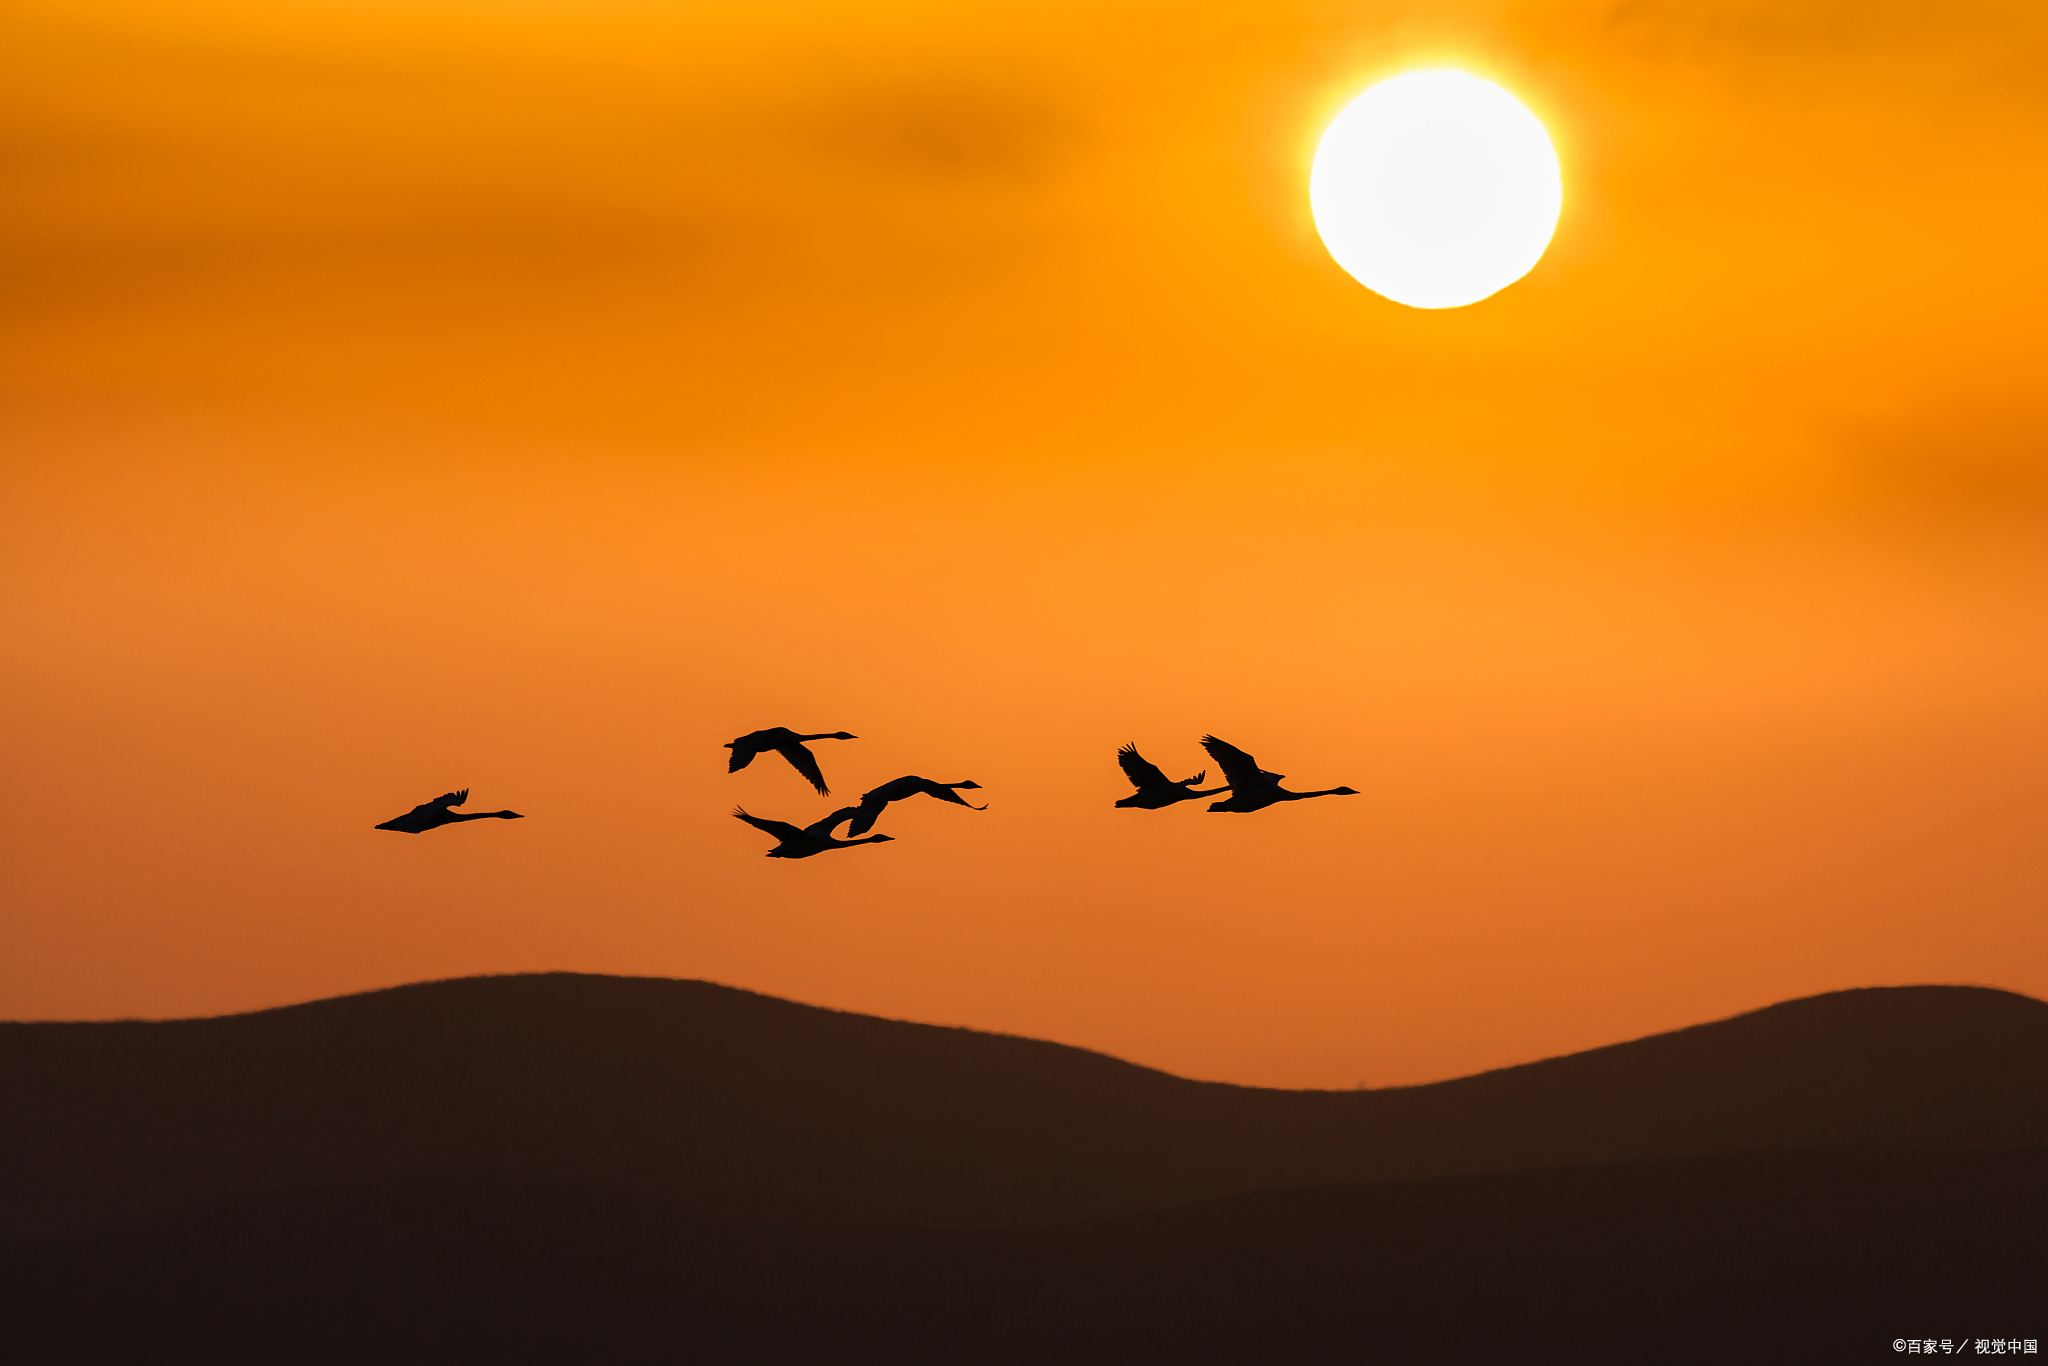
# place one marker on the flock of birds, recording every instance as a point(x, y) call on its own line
point(1251, 788)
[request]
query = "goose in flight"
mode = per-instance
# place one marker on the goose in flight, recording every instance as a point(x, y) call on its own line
point(1155, 789)
point(1251, 787)
point(871, 803)
point(802, 842)
point(790, 746)
point(431, 815)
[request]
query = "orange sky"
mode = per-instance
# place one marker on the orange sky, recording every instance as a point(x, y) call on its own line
point(533, 396)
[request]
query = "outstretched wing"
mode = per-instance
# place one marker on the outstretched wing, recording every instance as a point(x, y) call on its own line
point(866, 814)
point(752, 743)
point(806, 763)
point(782, 830)
point(1240, 770)
point(448, 799)
point(895, 790)
point(823, 829)
point(1191, 782)
point(1141, 771)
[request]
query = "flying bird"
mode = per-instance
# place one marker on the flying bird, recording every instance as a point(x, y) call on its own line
point(431, 815)
point(1251, 787)
point(1155, 789)
point(871, 803)
point(790, 746)
point(804, 841)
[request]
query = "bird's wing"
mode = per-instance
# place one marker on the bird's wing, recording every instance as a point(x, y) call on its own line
point(782, 830)
point(1141, 771)
point(448, 799)
point(823, 829)
point(754, 742)
point(895, 790)
point(1190, 782)
point(804, 762)
point(866, 814)
point(1240, 770)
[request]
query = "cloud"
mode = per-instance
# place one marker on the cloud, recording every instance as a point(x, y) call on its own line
point(1981, 459)
point(1986, 43)
point(945, 130)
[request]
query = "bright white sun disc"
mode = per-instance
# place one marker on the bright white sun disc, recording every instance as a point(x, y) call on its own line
point(1435, 189)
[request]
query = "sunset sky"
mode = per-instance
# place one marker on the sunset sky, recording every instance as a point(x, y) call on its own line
point(532, 396)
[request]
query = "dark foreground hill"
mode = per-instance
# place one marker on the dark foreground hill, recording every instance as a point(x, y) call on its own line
point(723, 1098)
point(1782, 1257)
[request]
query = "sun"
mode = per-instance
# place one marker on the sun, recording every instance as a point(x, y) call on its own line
point(1435, 189)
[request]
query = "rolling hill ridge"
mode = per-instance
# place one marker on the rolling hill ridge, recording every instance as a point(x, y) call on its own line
point(729, 1100)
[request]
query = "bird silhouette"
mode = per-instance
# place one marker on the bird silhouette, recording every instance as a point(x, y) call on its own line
point(431, 815)
point(790, 746)
point(871, 803)
point(804, 841)
point(1155, 789)
point(1251, 787)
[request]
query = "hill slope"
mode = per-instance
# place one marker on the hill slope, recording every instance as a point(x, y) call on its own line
point(704, 1093)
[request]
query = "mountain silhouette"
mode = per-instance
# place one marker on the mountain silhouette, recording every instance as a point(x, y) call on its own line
point(701, 1093)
